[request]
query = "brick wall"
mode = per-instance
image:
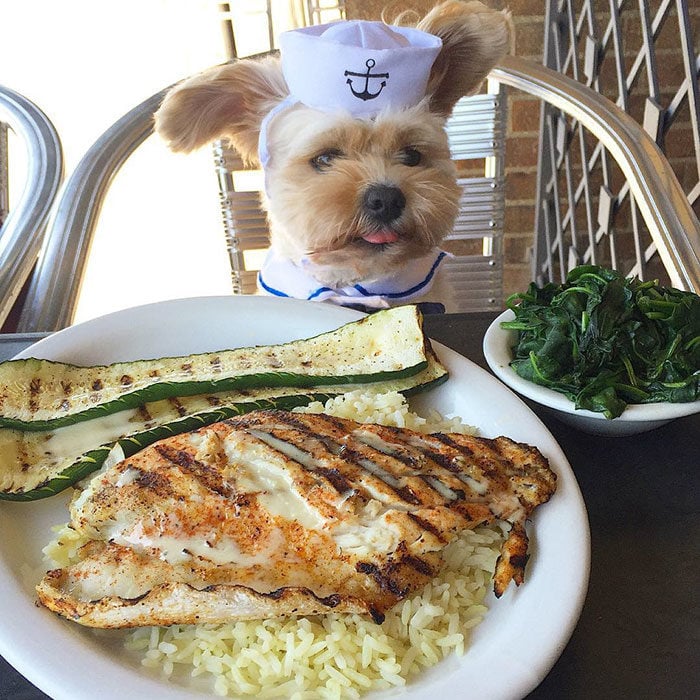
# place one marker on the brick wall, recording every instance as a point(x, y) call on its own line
point(521, 151)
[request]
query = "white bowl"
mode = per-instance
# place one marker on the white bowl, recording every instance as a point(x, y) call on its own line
point(637, 418)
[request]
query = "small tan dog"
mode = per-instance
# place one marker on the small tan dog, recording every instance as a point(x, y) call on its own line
point(349, 127)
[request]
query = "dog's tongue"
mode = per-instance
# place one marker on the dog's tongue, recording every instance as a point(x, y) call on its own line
point(384, 236)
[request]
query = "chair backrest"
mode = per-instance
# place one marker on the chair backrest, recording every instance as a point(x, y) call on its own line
point(22, 224)
point(476, 134)
point(643, 59)
point(659, 200)
point(54, 285)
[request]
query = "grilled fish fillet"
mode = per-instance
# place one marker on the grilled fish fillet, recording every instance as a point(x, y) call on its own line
point(277, 513)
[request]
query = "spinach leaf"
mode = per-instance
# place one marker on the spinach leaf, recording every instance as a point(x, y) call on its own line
point(606, 341)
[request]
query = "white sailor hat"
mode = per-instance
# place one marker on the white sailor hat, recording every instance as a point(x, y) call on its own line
point(356, 66)
point(359, 66)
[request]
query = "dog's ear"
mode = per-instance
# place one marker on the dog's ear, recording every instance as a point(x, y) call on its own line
point(474, 39)
point(226, 102)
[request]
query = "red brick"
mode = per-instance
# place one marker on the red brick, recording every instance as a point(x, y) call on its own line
point(679, 142)
point(516, 248)
point(519, 218)
point(524, 114)
point(670, 68)
point(668, 36)
point(521, 185)
point(525, 8)
point(516, 278)
point(373, 9)
point(522, 151)
point(687, 173)
point(529, 38)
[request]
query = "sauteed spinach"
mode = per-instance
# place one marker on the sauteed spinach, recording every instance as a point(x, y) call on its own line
point(605, 341)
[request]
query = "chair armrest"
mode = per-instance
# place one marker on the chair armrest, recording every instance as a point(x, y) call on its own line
point(22, 232)
point(55, 285)
point(667, 213)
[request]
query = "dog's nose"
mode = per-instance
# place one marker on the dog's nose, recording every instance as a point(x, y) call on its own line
point(384, 203)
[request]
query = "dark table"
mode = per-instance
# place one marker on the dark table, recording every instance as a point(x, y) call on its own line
point(639, 632)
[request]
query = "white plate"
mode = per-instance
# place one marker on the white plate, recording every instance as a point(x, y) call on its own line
point(636, 418)
point(513, 649)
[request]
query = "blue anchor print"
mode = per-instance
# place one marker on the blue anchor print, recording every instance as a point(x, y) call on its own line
point(366, 94)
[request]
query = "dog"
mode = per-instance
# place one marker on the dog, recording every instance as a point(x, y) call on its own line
point(348, 126)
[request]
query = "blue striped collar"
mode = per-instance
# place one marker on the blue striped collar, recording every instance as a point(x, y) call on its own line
point(283, 278)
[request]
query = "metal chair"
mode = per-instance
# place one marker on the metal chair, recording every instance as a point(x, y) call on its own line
point(661, 202)
point(587, 210)
point(22, 225)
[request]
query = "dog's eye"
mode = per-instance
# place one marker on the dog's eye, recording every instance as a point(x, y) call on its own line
point(324, 160)
point(410, 156)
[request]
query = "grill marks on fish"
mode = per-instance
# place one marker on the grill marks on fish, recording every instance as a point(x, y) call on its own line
point(333, 513)
point(428, 527)
point(362, 457)
point(210, 477)
point(321, 447)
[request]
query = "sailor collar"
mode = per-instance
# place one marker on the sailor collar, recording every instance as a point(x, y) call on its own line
point(281, 277)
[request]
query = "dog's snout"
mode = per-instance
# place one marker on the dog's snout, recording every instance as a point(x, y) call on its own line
point(384, 203)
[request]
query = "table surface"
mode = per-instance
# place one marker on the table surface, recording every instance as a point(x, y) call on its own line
point(639, 632)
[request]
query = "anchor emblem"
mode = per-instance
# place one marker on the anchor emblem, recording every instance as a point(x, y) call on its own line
point(366, 94)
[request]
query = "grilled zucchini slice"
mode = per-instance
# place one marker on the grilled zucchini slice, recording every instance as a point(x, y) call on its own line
point(42, 394)
point(36, 465)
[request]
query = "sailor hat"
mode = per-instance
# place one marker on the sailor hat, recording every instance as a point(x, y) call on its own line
point(356, 66)
point(359, 66)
